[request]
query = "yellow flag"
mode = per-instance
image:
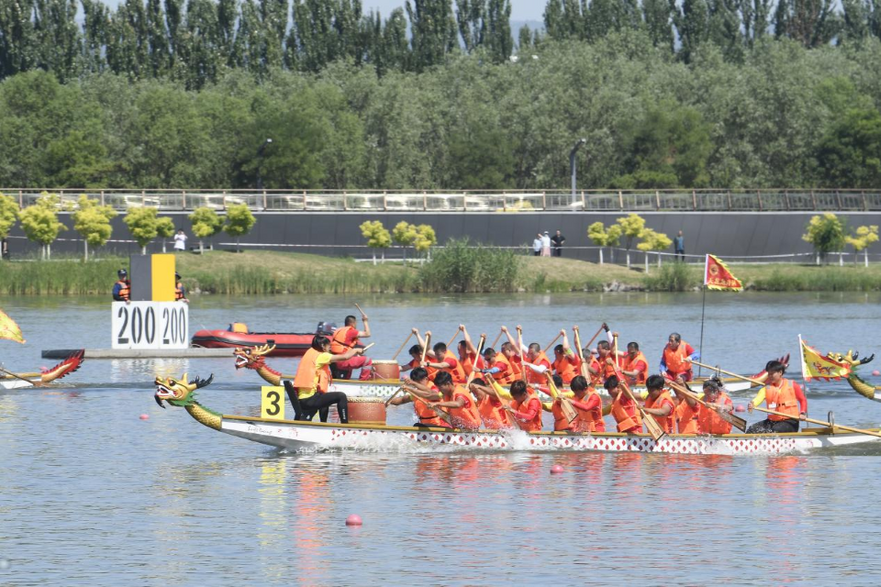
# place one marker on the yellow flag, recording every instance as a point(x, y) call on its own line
point(717, 276)
point(817, 366)
point(9, 329)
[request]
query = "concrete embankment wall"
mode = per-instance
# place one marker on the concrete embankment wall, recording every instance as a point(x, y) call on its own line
point(731, 234)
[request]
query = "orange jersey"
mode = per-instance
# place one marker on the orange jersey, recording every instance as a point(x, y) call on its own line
point(467, 416)
point(709, 421)
point(529, 405)
point(667, 422)
point(687, 417)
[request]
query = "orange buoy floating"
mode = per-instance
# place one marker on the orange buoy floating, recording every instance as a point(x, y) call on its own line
point(740, 408)
point(353, 520)
point(145, 417)
point(556, 469)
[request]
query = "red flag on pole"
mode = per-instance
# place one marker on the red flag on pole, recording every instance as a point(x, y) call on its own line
point(717, 276)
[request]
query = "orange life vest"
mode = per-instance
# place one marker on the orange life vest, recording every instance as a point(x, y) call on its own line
point(338, 344)
point(492, 413)
point(178, 291)
point(603, 371)
point(457, 372)
point(534, 424)
point(309, 379)
point(125, 289)
point(517, 368)
point(566, 368)
point(467, 364)
point(675, 360)
point(532, 376)
point(426, 415)
point(506, 375)
point(628, 364)
point(591, 420)
point(709, 421)
point(782, 399)
point(626, 415)
point(688, 418)
point(667, 422)
point(468, 416)
point(560, 421)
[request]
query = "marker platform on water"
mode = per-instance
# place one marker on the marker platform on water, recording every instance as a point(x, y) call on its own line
point(188, 353)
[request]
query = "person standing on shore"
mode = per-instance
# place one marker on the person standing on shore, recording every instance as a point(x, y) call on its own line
point(679, 246)
point(545, 245)
point(536, 245)
point(180, 241)
point(558, 240)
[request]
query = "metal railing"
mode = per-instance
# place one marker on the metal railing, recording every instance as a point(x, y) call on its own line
point(708, 200)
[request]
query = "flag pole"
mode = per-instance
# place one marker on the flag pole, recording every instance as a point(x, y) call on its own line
point(703, 312)
point(801, 356)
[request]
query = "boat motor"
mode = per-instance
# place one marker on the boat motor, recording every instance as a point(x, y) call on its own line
point(325, 328)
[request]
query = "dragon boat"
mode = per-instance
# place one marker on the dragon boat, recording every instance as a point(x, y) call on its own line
point(10, 380)
point(254, 358)
point(298, 435)
point(277, 344)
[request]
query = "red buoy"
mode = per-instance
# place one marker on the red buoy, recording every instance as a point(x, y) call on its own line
point(740, 408)
point(145, 417)
point(556, 469)
point(876, 372)
point(353, 520)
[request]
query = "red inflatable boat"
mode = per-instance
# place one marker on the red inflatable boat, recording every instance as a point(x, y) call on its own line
point(287, 344)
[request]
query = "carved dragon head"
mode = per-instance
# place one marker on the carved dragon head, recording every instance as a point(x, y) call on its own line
point(851, 358)
point(252, 357)
point(179, 392)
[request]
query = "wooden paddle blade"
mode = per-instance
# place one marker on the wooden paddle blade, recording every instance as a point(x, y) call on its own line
point(652, 426)
point(735, 421)
point(569, 411)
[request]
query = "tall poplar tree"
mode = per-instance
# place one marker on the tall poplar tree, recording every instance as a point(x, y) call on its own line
point(433, 31)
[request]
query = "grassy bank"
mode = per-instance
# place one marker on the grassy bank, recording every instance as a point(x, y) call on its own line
point(265, 272)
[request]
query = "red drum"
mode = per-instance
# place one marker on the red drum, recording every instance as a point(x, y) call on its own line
point(388, 370)
point(367, 410)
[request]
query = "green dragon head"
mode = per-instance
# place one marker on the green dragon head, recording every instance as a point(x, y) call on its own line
point(179, 392)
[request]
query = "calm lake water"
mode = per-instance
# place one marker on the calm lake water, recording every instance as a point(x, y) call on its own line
point(91, 494)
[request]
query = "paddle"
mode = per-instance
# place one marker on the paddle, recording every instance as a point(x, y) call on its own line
point(452, 339)
point(406, 340)
point(594, 337)
point(550, 344)
point(438, 412)
point(425, 348)
point(821, 423)
point(16, 376)
point(476, 358)
point(753, 381)
point(523, 367)
point(735, 421)
point(389, 400)
point(582, 366)
point(566, 406)
point(493, 345)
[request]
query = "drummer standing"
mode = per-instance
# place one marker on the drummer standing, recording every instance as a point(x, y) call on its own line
point(347, 338)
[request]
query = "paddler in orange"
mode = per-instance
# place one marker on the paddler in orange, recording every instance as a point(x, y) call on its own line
point(782, 395)
point(676, 359)
point(415, 353)
point(457, 402)
point(526, 407)
point(634, 365)
point(624, 409)
point(348, 337)
point(443, 361)
point(566, 363)
point(313, 380)
point(687, 413)
point(659, 403)
point(709, 421)
point(419, 385)
point(531, 359)
point(491, 402)
point(603, 365)
point(587, 404)
point(467, 352)
point(500, 364)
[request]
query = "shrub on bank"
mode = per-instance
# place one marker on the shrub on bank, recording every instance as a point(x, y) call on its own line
point(673, 277)
point(462, 267)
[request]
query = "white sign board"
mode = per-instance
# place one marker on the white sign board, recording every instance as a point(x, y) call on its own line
point(150, 325)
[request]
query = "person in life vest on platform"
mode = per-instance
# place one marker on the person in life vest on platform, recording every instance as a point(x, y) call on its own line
point(347, 338)
point(526, 407)
point(782, 395)
point(418, 385)
point(623, 409)
point(122, 289)
point(457, 402)
point(676, 359)
point(313, 380)
point(180, 292)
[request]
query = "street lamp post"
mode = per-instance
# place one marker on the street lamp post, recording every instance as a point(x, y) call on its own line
point(572, 166)
point(262, 148)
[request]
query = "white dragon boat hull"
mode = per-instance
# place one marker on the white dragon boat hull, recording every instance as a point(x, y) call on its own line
point(298, 436)
point(15, 384)
point(386, 387)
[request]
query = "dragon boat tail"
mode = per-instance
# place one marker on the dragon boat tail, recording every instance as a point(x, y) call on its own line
point(20, 380)
point(298, 435)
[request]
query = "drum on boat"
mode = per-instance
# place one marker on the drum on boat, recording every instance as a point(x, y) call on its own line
point(367, 410)
point(386, 370)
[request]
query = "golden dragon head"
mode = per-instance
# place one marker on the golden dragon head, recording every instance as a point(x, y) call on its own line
point(252, 357)
point(852, 358)
point(179, 392)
